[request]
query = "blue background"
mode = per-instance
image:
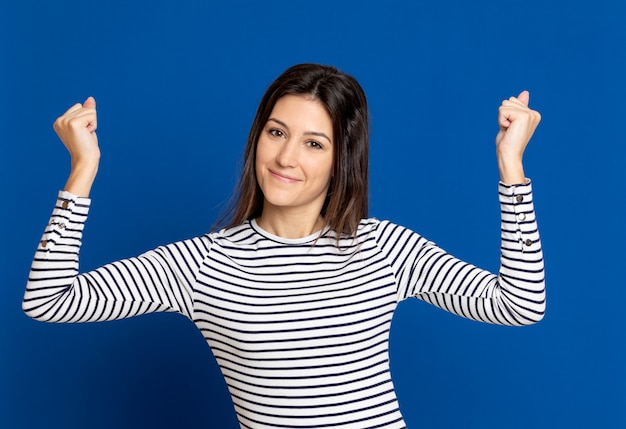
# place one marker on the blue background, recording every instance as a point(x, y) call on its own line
point(177, 84)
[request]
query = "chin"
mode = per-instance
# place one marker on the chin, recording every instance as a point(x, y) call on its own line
point(279, 201)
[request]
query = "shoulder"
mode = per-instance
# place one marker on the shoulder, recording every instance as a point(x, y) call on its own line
point(389, 235)
point(240, 236)
point(367, 225)
point(377, 227)
point(380, 230)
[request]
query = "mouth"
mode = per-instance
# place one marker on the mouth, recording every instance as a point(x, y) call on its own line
point(282, 177)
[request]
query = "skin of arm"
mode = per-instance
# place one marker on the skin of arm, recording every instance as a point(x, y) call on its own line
point(77, 130)
point(517, 124)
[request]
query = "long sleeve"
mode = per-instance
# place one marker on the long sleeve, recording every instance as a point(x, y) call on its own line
point(515, 296)
point(159, 280)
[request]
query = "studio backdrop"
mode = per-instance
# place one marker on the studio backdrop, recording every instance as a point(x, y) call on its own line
point(177, 84)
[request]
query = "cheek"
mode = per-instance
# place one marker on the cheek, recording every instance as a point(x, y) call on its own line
point(331, 166)
point(262, 153)
point(324, 171)
point(258, 170)
point(258, 164)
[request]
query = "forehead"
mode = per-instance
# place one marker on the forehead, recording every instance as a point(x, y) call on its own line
point(304, 112)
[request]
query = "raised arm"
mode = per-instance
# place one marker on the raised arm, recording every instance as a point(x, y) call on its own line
point(516, 294)
point(158, 280)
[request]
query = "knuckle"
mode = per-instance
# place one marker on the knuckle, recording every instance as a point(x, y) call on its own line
point(59, 124)
point(73, 123)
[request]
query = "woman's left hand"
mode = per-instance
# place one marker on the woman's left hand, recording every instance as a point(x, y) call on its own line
point(517, 124)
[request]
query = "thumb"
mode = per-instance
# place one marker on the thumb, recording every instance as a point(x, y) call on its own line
point(523, 96)
point(90, 102)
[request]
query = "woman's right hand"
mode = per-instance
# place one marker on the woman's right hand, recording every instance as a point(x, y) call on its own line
point(77, 130)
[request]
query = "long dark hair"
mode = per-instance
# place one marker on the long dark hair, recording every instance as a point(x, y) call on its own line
point(345, 102)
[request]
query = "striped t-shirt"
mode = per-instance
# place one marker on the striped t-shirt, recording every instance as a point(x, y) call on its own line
point(299, 327)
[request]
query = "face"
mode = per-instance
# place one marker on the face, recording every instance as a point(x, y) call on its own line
point(294, 157)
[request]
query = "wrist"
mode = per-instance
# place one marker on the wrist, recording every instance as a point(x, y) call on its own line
point(81, 178)
point(511, 172)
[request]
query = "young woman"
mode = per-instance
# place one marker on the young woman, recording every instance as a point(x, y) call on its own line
point(295, 295)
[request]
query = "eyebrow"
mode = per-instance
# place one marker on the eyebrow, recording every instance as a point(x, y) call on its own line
point(308, 133)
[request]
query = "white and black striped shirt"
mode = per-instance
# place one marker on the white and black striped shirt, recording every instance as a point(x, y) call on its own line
point(300, 328)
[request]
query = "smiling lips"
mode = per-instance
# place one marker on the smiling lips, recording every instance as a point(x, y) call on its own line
point(283, 178)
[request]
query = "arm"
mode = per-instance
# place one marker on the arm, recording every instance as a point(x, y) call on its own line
point(515, 296)
point(159, 280)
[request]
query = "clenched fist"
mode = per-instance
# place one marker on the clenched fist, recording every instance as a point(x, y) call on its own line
point(77, 130)
point(517, 124)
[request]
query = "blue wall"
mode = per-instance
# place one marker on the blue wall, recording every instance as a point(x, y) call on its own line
point(177, 84)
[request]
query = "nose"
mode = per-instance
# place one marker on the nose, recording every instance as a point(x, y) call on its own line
point(287, 156)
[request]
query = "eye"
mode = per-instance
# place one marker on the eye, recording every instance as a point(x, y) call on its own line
point(275, 132)
point(314, 145)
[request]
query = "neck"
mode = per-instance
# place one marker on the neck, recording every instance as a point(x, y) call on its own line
point(290, 224)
